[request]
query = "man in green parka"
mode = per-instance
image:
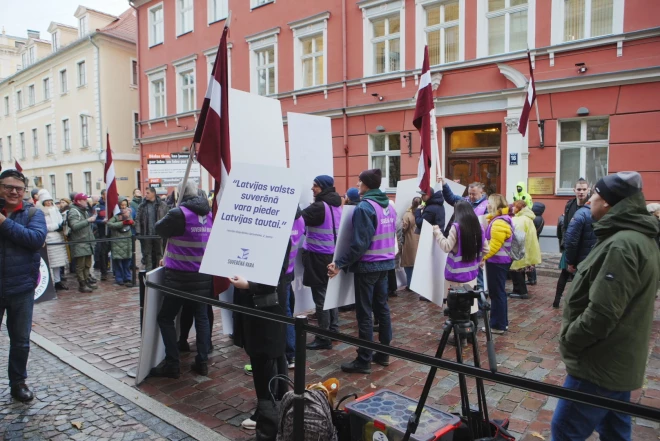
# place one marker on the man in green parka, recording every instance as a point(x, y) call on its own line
point(122, 250)
point(521, 194)
point(606, 327)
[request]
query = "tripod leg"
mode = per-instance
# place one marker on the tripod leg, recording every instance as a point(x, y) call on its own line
point(465, 399)
point(481, 391)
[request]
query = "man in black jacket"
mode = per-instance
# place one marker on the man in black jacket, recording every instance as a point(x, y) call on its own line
point(433, 212)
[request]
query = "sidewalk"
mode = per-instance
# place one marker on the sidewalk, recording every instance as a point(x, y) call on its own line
point(102, 328)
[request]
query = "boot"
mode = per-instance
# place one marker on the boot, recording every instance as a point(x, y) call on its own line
point(555, 304)
point(84, 288)
point(92, 287)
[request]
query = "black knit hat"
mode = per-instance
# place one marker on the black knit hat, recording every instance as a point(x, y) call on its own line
point(371, 178)
point(615, 188)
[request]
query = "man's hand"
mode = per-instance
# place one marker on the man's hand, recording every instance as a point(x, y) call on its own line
point(572, 269)
point(91, 219)
point(439, 179)
point(482, 264)
point(2, 218)
point(161, 262)
point(239, 282)
point(333, 270)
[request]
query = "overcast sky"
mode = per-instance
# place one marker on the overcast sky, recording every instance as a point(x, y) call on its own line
point(17, 16)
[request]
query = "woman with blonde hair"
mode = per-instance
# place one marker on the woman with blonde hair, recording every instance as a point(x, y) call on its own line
point(57, 256)
point(523, 220)
point(499, 234)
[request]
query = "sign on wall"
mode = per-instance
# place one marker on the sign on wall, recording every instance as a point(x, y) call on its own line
point(541, 185)
point(168, 169)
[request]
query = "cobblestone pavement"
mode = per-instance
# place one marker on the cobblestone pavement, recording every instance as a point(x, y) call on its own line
point(102, 328)
point(63, 396)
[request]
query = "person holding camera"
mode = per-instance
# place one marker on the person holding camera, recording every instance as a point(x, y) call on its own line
point(57, 256)
point(22, 234)
point(81, 224)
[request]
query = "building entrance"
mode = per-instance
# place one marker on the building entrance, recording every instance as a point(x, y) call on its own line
point(474, 155)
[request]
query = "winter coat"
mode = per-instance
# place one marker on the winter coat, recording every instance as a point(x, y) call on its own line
point(499, 233)
point(538, 208)
point(410, 240)
point(579, 238)
point(21, 238)
point(142, 217)
point(608, 312)
point(433, 213)
point(523, 195)
point(100, 210)
point(569, 211)
point(121, 249)
point(316, 264)
point(135, 203)
point(524, 221)
point(80, 230)
point(174, 222)
point(451, 198)
point(57, 256)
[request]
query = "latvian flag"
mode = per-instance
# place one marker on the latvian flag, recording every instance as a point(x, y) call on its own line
point(529, 100)
point(422, 121)
point(111, 194)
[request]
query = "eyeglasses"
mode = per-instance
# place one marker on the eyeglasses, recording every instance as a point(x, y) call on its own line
point(11, 188)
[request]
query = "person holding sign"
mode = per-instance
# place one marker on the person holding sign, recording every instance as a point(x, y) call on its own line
point(370, 257)
point(322, 220)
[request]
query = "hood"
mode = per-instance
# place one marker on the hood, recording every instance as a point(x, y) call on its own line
point(197, 204)
point(378, 197)
point(522, 185)
point(436, 199)
point(526, 212)
point(329, 196)
point(137, 199)
point(503, 212)
point(538, 208)
point(629, 214)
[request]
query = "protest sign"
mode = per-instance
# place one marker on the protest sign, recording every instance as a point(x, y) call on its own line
point(44, 289)
point(429, 276)
point(168, 169)
point(310, 150)
point(341, 291)
point(405, 192)
point(302, 293)
point(253, 223)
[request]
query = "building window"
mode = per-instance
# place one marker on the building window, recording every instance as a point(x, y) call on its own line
point(31, 95)
point(136, 127)
point(35, 143)
point(56, 42)
point(64, 86)
point(158, 98)
point(443, 32)
point(184, 16)
point(69, 183)
point(256, 3)
point(134, 72)
point(266, 67)
point(583, 149)
point(10, 151)
point(88, 182)
point(49, 139)
point(218, 10)
point(313, 61)
point(587, 18)
point(385, 154)
point(6, 105)
point(507, 25)
point(187, 91)
point(21, 138)
point(46, 84)
point(82, 75)
point(19, 100)
point(82, 26)
point(386, 44)
point(156, 26)
point(31, 55)
point(53, 186)
point(66, 135)
point(24, 60)
point(84, 130)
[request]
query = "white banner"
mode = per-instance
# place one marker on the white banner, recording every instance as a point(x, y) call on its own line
point(429, 276)
point(457, 189)
point(303, 294)
point(341, 291)
point(405, 192)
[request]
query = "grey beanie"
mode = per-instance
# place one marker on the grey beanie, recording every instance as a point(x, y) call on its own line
point(615, 188)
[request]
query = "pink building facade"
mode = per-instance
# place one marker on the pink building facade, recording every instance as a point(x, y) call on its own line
point(596, 65)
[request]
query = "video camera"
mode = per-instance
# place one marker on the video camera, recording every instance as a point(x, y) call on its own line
point(459, 302)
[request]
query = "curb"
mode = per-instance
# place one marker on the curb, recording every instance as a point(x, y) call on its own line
point(172, 417)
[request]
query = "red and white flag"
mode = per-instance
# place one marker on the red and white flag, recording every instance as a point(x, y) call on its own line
point(529, 100)
point(17, 166)
point(212, 133)
point(111, 194)
point(422, 121)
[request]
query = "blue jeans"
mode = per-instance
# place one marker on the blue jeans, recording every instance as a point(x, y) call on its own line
point(290, 330)
point(168, 312)
point(576, 421)
point(409, 273)
point(480, 279)
point(122, 269)
point(499, 311)
point(371, 299)
point(19, 324)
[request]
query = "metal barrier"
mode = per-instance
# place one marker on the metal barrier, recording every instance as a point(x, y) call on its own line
point(302, 328)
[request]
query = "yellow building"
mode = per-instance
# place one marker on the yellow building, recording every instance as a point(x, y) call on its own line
point(72, 90)
point(10, 54)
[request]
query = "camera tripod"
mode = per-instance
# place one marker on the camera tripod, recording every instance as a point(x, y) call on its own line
point(459, 322)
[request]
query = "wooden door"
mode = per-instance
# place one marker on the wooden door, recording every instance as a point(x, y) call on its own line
point(469, 170)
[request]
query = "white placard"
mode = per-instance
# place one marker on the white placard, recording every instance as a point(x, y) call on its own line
point(458, 190)
point(341, 291)
point(253, 224)
point(405, 192)
point(310, 150)
point(152, 349)
point(429, 276)
point(226, 315)
point(303, 294)
point(168, 169)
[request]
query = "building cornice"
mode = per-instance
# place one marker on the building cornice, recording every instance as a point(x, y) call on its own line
point(297, 24)
point(167, 137)
point(263, 34)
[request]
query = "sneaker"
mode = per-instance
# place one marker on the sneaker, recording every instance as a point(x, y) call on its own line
point(494, 330)
point(356, 367)
point(248, 371)
point(129, 284)
point(292, 364)
point(249, 424)
point(381, 359)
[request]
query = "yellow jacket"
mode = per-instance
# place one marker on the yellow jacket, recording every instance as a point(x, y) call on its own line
point(524, 220)
point(500, 232)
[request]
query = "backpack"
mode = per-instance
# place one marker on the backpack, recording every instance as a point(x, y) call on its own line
point(517, 244)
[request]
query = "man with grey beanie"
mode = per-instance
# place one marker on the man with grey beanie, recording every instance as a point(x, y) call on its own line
point(608, 312)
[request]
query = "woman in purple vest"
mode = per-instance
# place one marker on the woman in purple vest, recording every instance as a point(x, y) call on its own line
point(499, 235)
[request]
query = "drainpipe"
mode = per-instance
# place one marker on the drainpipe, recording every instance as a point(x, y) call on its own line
point(345, 86)
point(98, 86)
point(137, 46)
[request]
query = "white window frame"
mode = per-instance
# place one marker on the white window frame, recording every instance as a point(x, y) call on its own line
point(153, 38)
point(258, 42)
point(24, 59)
point(82, 25)
point(421, 30)
point(21, 141)
point(7, 106)
point(10, 153)
point(212, 10)
point(180, 19)
point(32, 96)
point(49, 139)
point(66, 134)
point(64, 81)
point(86, 173)
point(35, 143)
point(387, 153)
point(84, 131)
point(482, 26)
point(53, 185)
point(69, 183)
point(19, 100)
point(31, 55)
point(153, 75)
point(134, 74)
point(257, 3)
point(136, 127)
point(185, 66)
point(45, 84)
point(375, 10)
point(557, 21)
point(55, 38)
point(309, 28)
point(583, 145)
point(81, 73)
point(210, 55)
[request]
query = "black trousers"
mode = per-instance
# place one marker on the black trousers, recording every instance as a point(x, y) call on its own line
point(263, 370)
point(187, 316)
point(518, 279)
point(561, 283)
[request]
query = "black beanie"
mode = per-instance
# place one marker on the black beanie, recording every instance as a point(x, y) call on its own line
point(371, 178)
point(615, 188)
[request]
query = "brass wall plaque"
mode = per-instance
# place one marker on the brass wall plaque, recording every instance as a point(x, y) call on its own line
point(541, 185)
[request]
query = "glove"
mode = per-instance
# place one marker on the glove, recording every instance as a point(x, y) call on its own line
point(128, 222)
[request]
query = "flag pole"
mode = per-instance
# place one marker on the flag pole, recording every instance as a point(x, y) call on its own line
point(539, 123)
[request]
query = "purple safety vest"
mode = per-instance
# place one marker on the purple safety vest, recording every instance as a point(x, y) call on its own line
point(296, 235)
point(185, 253)
point(382, 244)
point(502, 255)
point(321, 239)
point(457, 270)
point(482, 208)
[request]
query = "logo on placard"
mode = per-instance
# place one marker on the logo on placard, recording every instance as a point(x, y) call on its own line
point(246, 254)
point(242, 259)
point(42, 280)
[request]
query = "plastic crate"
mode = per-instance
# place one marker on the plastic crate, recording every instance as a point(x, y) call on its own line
point(384, 415)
